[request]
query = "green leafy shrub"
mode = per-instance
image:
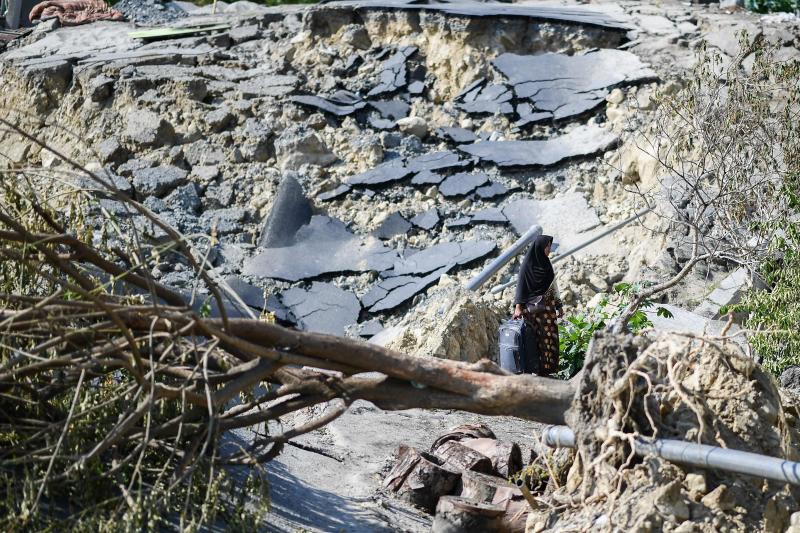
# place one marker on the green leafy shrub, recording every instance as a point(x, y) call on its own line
point(771, 6)
point(577, 330)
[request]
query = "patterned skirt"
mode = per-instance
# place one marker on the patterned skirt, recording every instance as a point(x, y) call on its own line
point(542, 314)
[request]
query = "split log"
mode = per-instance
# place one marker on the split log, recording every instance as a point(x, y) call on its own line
point(464, 431)
point(479, 487)
point(457, 515)
point(460, 457)
point(420, 478)
point(506, 457)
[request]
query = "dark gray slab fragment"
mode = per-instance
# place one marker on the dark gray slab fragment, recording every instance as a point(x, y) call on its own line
point(442, 254)
point(254, 297)
point(392, 110)
point(323, 307)
point(570, 85)
point(456, 135)
point(459, 222)
point(290, 211)
point(225, 221)
point(370, 328)
point(462, 183)
point(469, 92)
point(491, 215)
point(581, 141)
point(492, 190)
point(416, 87)
point(329, 106)
point(394, 75)
point(426, 177)
point(427, 219)
point(158, 181)
point(491, 99)
point(334, 193)
point(324, 246)
point(387, 172)
point(393, 225)
point(379, 123)
point(393, 292)
point(529, 115)
point(442, 160)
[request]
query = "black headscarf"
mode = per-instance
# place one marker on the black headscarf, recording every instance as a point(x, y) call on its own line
point(536, 272)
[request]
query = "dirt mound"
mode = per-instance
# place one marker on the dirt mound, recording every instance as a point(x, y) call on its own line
point(676, 387)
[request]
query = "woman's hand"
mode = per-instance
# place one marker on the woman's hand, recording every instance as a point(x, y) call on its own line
point(517, 311)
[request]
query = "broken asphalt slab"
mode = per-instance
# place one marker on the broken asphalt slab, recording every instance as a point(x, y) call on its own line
point(323, 307)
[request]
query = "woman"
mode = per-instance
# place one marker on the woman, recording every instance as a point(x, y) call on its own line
point(536, 299)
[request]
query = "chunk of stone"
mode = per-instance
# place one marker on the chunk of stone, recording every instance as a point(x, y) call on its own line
point(416, 126)
point(203, 153)
point(244, 33)
point(456, 135)
point(491, 215)
point(300, 146)
point(268, 85)
point(334, 193)
point(205, 173)
point(568, 85)
point(440, 255)
point(581, 141)
point(790, 378)
point(392, 225)
point(184, 198)
point(370, 328)
point(159, 180)
point(323, 307)
point(492, 190)
point(392, 110)
point(323, 246)
point(416, 87)
point(100, 88)
point(290, 211)
point(145, 129)
point(390, 293)
point(426, 220)
point(356, 36)
point(87, 183)
point(111, 151)
point(219, 119)
point(394, 74)
point(226, 221)
point(462, 183)
point(388, 172)
point(329, 106)
point(436, 161)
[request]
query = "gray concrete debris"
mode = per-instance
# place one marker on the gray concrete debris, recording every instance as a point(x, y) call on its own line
point(581, 141)
point(334, 193)
point(145, 129)
point(492, 190)
point(440, 255)
point(369, 328)
point(219, 119)
point(245, 33)
point(427, 177)
point(391, 110)
point(184, 198)
point(488, 100)
point(300, 146)
point(328, 105)
point(729, 292)
point(491, 215)
point(323, 307)
point(324, 246)
point(569, 85)
point(111, 151)
point(226, 221)
point(393, 225)
point(158, 181)
point(268, 85)
point(462, 183)
point(456, 135)
point(442, 160)
point(390, 293)
point(290, 211)
point(790, 378)
point(426, 220)
point(567, 218)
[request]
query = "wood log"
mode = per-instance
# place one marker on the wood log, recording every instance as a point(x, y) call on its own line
point(464, 431)
point(421, 478)
point(460, 457)
point(457, 515)
point(479, 487)
point(506, 457)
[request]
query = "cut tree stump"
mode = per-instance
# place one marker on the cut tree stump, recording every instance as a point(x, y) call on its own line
point(506, 457)
point(420, 478)
point(479, 487)
point(457, 515)
point(460, 457)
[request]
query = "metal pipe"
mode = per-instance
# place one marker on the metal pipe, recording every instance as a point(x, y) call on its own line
point(507, 255)
point(584, 244)
point(701, 455)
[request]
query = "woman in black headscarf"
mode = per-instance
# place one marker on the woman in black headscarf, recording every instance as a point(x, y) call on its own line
point(537, 301)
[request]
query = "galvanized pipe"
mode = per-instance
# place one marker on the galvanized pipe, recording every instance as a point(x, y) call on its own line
point(700, 455)
point(507, 255)
point(582, 245)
